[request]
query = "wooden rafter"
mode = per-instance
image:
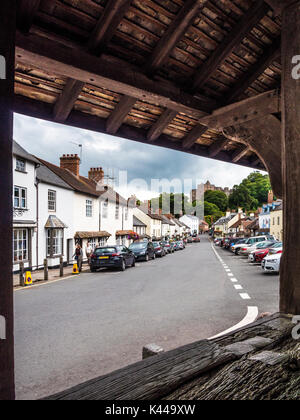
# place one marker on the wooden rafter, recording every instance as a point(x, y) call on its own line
point(117, 117)
point(175, 32)
point(239, 154)
point(106, 72)
point(162, 123)
point(104, 30)
point(193, 136)
point(107, 25)
point(268, 57)
point(232, 40)
point(247, 110)
point(217, 146)
point(26, 12)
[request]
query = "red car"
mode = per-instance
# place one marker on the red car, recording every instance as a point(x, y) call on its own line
point(196, 239)
point(260, 254)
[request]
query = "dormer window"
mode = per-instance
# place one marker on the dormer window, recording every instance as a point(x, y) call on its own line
point(20, 165)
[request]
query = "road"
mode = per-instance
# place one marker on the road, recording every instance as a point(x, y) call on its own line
point(80, 328)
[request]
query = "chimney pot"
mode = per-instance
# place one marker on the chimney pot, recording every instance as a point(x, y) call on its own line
point(96, 175)
point(71, 163)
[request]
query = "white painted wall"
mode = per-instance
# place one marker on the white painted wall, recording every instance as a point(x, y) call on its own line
point(26, 180)
point(191, 222)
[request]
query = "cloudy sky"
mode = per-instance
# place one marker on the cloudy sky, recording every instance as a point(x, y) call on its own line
point(142, 162)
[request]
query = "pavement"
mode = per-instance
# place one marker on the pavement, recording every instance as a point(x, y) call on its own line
point(75, 329)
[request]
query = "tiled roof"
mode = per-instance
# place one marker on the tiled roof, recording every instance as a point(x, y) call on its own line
point(138, 222)
point(22, 153)
point(45, 175)
point(90, 235)
point(54, 222)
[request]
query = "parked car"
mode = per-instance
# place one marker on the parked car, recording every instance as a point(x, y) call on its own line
point(167, 246)
point(196, 239)
point(260, 254)
point(247, 249)
point(159, 249)
point(181, 245)
point(143, 250)
point(112, 257)
point(250, 241)
point(276, 249)
point(190, 240)
point(271, 263)
point(259, 249)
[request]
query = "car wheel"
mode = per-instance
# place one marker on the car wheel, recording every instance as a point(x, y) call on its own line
point(93, 270)
point(133, 264)
point(147, 258)
point(123, 266)
point(154, 257)
point(237, 251)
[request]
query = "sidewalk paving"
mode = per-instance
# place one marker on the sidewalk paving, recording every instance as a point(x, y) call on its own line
point(53, 274)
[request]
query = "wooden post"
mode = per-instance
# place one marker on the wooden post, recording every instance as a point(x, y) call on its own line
point(7, 55)
point(290, 264)
point(46, 269)
point(61, 267)
point(22, 283)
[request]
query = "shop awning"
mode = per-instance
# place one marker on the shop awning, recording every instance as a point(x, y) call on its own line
point(54, 222)
point(91, 235)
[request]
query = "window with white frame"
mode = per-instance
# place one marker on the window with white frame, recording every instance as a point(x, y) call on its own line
point(20, 245)
point(105, 209)
point(55, 239)
point(20, 165)
point(51, 200)
point(89, 208)
point(117, 213)
point(102, 241)
point(93, 243)
point(20, 197)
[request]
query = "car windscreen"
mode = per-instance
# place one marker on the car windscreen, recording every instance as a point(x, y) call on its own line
point(277, 245)
point(262, 245)
point(156, 244)
point(136, 247)
point(107, 250)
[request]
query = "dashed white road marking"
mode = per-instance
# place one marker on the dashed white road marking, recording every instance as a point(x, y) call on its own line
point(234, 280)
point(230, 275)
point(238, 287)
point(245, 296)
point(252, 314)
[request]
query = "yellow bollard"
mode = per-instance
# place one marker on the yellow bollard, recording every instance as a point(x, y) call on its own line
point(75, 269)
point(28, 278)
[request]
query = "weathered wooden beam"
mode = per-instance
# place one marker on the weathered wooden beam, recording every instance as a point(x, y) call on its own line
point(174, 33)
point(290, 263)
point(7, 53)
point(67, 99)
point(106, 72)
point(26, 12)
point(279, 5)
point(255, 71)
point(239, 154)
point(161, 124)
point(233, 39)
point(107, 25)
point(247, 110)
point(119, 114)
point(193, 136)
point(217, 146)
point(36, 109)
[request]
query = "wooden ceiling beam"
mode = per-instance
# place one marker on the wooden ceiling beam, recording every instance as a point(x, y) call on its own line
point(26, 12)
point(174, 34)
point(161, 124)
point(107, 25)
point(77, 119)
point(193, 136)
point(67, 99)
point(239, 154)
point(278, 5)
point(255, 71)
point(217, 146)
point(119, 114)
point(231, 41)
point(106, 72)
point(247, 110)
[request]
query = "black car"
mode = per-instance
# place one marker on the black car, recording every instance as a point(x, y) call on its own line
point(112, 257)
point(143, 250)
point(159, 249)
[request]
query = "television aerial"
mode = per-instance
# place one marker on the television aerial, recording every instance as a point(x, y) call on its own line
point(80, 147)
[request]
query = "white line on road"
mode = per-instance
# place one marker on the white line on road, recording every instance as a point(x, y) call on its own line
point(230, 275)
point(252, 314)
point(238, 287)
point(245, 296)
point(234, 280)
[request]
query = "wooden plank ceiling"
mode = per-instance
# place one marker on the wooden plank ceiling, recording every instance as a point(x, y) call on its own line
point(170, 73)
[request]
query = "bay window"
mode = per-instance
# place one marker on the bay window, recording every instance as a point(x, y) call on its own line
point(55, 239)
point(20, 245)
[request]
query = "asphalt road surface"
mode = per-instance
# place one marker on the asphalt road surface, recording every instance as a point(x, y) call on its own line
point(83, 327)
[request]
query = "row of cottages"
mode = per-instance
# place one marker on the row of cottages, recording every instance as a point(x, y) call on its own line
point(55, 208)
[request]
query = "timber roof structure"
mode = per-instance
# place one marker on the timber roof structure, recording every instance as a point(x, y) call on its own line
point(171, 73)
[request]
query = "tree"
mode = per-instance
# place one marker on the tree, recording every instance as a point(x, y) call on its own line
point(258, 186)
point(241, 197)
point(219, 198)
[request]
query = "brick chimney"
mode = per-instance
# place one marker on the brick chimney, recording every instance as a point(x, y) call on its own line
point(270, 197)
point(70, 162)
point(96, 175)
